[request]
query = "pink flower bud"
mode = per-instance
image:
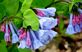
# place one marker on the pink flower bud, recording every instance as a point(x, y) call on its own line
point(40, 13)
point(22, 34)
point(77, 19)
point(3, 27)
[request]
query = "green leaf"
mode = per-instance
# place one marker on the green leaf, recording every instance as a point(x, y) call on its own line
point(30, 19)
point(19, 14)
point(56, 0)
point(13, 48)
point(11, 7)
point(61, 25)
point(62, 8)
point(26, 5)
point(1, 35)
point(18, 22)
point(24, 50)
point(72, 3)
point(1, 1)
point(21, 1)
point(41, 3)
point(3, 46)
point(2, 11)
point(77, 1)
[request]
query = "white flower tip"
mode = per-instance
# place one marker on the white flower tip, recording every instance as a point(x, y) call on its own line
point(52, 9)
point(22, 44)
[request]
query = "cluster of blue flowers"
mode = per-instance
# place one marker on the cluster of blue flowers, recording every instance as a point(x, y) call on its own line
point(75, 23)
point(29, 38)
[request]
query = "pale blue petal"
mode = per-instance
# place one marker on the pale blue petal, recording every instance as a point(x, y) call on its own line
point(52, 33)
point(81, 25)
point(35, 42)
point(70, 29)
point(47, 23)
point(15, 38)
point(77, 28)
point(46, 35)
point(51, 11)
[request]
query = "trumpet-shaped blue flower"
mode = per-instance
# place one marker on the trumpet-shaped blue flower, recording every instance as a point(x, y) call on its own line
point(7, 35)
point(48, 12)
point(70, 28)
point(14, 35)
point(46, 35)
point(35, 42)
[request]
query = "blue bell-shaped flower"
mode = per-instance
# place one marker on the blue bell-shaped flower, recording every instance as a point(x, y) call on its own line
point(48, 12)
point(46, 35)
point(7, 35)
point(44, 11)
point(14, 35)
point(51, 11)
point(35, 42)
point(70, 28)
point(47, 23)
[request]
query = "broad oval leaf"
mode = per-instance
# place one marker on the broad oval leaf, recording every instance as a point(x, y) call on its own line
point(26, 5)
point(11, 7)
point(30, 19)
